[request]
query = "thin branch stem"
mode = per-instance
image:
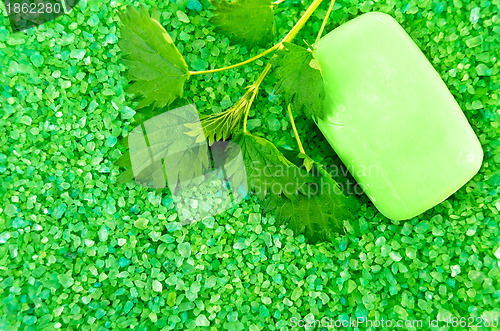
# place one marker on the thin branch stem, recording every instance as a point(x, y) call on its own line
point(289, 37)
point(255, 87)
point(258, 56)
point(332, 2)
point(301, 149)
point(245, 119)
point(293, 32)
point(277, 2)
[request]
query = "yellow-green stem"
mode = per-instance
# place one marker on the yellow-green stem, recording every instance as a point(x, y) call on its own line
point(255, 87)
point(258, 56)
point(289, 37)
point(332, 2)
point(293, 32)
point(301, 149)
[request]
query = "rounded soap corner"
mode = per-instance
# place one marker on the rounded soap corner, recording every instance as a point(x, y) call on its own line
point(380, 16)
point(394, 215)
point(479, 159)
point(398, 216)
point(478, 162)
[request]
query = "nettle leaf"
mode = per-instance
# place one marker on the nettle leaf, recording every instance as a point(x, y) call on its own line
point(156, 67)
point(221, 126)
point(216, 127)
point(268, 172)
point(323, 210)
point(245, 21)
point(309, 202)
point(162, 146)
point(299, 79)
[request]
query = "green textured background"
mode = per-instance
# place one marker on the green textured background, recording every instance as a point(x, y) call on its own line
point(76, 251)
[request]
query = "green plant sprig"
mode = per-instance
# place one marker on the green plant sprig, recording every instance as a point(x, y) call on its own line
point(159, 72)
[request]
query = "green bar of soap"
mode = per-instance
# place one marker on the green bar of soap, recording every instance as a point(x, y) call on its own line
point(391, 119)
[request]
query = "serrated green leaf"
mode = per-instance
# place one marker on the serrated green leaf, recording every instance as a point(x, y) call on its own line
point(308, 202)
point(215, 126)
point(155, 66)
point(166, 141)
point(317, 214)
point(221, 126)
point(314, 216)
point(245, 21)
point(299, 79)
point(267, 170)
